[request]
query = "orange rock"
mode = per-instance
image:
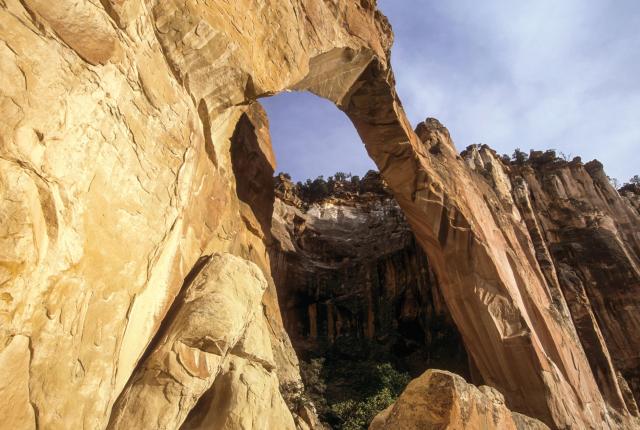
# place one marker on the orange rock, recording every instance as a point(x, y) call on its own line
point(444, 401)
point(116, 177)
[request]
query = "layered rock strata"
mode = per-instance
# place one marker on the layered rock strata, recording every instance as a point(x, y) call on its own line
point(349, 271)
point(116, 179)
point(587, 241)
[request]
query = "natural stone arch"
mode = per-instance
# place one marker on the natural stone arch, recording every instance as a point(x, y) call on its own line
point(486, 277)
point(167, 82)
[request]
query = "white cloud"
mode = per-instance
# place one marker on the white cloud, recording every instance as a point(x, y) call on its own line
point(537, 74)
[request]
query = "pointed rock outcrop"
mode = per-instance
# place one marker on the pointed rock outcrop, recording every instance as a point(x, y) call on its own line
point(443, 400)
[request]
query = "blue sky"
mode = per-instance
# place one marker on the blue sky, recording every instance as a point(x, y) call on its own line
point(561, 74)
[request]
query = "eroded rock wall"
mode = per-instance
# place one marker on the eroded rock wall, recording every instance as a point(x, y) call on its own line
point(350, 273)
point(116, 177)
point(583, 231)
point(586, 238)
point(514, 311)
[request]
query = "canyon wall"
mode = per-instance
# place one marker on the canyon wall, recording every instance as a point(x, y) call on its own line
point(117, 179)
point(345, 262)
point(587, 240)
point(126, 205)
point(350, 275)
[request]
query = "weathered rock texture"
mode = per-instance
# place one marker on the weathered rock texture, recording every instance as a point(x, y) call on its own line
point(215, 337)
point(345, 262)
point(116, 177)
point(631, 193)
point(349, 272)
point(539, 317)
point(587, 241)
point(440, 400)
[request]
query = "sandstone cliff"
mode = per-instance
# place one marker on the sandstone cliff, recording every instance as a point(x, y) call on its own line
point(346, 265)
point(121, 174)
point(116, 176)
point(348, 270)
point(586, 238)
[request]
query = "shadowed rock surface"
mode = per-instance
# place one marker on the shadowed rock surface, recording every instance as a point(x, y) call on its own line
point(120, 170)
point(349, 271)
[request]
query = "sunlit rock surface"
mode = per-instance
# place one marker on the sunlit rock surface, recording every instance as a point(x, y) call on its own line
point(587, 242)
point(214, 338)
point(116, 176)
point(443, 400)
point(118, 173)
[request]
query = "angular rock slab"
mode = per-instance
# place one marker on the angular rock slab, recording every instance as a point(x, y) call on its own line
point(440, 400)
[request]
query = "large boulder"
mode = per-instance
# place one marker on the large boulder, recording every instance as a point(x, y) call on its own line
point(440, 400)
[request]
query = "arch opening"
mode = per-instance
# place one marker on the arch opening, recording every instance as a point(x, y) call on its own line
point(455, 226)
point(358, 297)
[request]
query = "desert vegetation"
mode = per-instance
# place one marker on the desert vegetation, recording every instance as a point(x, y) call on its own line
point(349, 394)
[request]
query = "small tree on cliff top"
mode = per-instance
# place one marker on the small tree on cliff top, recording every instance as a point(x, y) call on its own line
point(519, 157)
point(340, 176)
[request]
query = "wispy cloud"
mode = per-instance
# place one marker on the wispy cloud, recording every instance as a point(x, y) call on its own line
point(539, 74)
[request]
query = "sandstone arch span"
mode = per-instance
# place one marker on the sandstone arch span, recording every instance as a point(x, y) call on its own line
point(116, 180)
point(505, 309)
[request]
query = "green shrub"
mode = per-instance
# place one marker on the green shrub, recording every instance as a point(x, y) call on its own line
point(357, 415)
point(519, 157)
point(349, 393)
point(379, 385)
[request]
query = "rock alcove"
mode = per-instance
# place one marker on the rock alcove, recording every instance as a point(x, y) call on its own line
point(136, 285)
point(356, 291)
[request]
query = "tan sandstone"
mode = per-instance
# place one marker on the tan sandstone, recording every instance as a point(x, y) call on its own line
point(440, 400)
point(116, 178)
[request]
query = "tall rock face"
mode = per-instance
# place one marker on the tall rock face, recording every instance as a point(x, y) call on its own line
point(121, 121)
point(587, 240)
point(515, 318)
point(124, 125)
point(346, 264)
point(349, 273)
